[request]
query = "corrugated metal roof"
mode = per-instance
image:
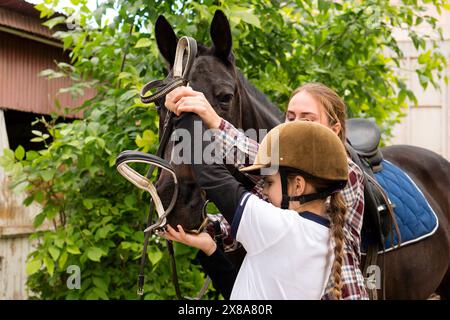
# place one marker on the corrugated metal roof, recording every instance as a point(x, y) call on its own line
point(21, 6)
point(25, 50)
point(22, 16)
point(21, 87)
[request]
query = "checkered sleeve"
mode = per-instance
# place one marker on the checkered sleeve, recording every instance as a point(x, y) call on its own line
point(239, 150)
point(354, 197)
point(232, 139)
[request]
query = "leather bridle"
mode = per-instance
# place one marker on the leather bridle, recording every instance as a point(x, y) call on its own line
point(179, 78)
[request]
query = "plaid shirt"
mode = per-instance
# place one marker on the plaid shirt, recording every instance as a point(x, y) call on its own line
point(234, 142)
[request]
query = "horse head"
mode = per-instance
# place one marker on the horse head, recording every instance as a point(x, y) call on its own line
point(214, 73)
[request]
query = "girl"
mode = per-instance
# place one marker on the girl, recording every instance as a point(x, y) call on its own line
point(293, 242)
point(313, 102)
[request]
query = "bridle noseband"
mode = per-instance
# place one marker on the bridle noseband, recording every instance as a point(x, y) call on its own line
point(144, 183)
point(180, 78)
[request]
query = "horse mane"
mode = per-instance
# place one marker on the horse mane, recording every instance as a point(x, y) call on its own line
point(266, 114)
point(274, 110)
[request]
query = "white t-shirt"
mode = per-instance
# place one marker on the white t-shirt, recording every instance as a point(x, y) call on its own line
point(289, 255)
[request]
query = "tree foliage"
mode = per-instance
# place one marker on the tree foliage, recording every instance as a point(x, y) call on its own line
point(348, 45)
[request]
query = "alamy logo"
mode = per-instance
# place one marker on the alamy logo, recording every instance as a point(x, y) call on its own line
point(373, 277)
point(200, 146)
point(74, 280)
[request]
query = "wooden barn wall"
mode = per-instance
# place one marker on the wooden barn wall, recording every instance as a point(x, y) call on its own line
point(16, 224)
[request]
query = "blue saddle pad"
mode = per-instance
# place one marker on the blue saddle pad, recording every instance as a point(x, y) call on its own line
point(415, 217)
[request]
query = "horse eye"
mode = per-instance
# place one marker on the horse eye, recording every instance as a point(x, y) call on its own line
point(226, 98)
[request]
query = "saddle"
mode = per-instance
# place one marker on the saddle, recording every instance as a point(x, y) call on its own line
point(363, 139)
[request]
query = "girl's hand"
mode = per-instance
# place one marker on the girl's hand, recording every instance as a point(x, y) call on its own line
point(202, 241)
point(184, 99)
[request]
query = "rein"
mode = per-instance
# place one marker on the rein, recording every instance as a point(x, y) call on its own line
point(179, 78)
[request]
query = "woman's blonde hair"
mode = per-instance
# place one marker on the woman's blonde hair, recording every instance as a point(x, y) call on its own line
point(333, 104)
point(337, 212)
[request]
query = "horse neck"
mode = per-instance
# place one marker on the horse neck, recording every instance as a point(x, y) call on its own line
point(255, 111)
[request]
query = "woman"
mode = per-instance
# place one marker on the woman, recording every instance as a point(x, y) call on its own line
point(313, 102)
point(294, 241)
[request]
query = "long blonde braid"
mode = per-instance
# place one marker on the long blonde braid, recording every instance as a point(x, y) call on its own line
point(338, 210)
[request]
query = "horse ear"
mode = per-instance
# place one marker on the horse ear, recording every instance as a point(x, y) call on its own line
point(221, 36)
point(166, 39)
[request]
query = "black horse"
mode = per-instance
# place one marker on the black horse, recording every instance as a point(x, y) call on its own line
point(412, 272)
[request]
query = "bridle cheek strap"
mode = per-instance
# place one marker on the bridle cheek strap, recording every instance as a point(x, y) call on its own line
point(180, 75)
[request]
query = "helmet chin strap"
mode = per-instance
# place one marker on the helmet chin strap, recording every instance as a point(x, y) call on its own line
point(306, 197)
point(284, 191)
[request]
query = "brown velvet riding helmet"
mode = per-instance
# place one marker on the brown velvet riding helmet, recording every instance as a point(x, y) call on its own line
point(307, 146)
